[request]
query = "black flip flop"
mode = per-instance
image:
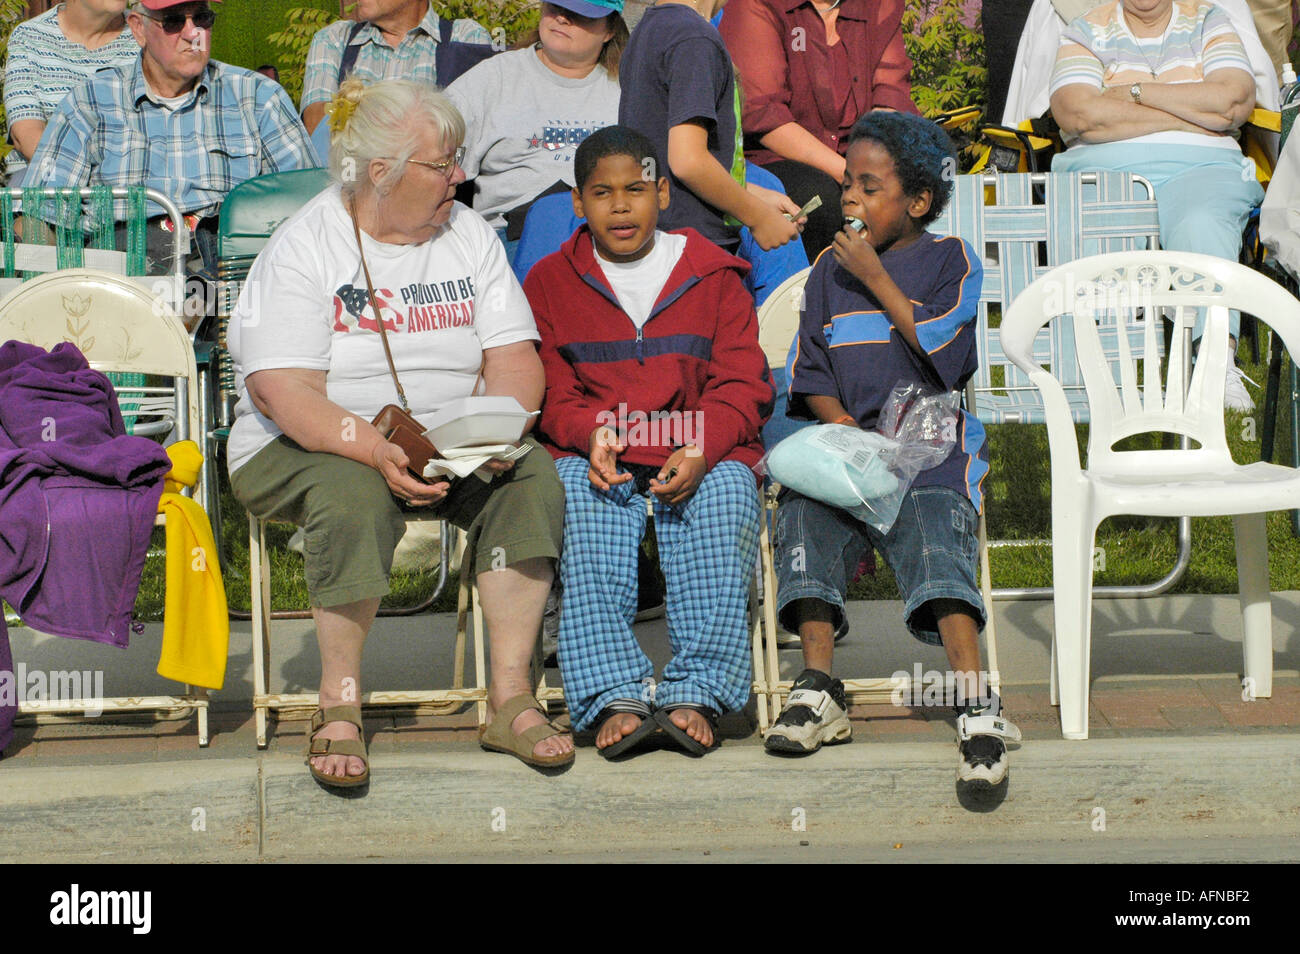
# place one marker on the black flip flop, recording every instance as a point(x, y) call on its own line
point(680, 736)
point(648, 728)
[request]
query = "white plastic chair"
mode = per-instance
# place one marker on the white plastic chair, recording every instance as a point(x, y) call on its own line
point(1128, 397)
point(119, 325)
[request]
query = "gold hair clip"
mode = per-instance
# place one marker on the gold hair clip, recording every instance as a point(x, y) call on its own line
point(340, 112)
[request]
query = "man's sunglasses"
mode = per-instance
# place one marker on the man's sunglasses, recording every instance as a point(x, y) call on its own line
point(173, 22)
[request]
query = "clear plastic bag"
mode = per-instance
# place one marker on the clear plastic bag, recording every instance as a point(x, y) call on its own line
point(868, 473)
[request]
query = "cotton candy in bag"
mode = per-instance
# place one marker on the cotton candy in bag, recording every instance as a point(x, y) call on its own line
point(839, 465)
point(867, 473)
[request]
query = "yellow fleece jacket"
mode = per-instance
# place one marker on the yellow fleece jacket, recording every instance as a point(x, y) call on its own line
point(196, 625)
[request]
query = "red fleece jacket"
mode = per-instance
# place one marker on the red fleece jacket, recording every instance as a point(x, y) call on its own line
point(694, 371)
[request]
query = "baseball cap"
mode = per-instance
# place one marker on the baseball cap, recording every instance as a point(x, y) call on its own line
point(589, 8)
point(164, 4)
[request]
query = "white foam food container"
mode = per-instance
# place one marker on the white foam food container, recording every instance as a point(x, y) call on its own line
point(476, 421)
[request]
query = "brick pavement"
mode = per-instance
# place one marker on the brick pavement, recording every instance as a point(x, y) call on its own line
point(1119, 708)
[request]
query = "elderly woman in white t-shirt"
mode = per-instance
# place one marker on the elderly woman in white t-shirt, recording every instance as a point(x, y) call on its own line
point(313, 374)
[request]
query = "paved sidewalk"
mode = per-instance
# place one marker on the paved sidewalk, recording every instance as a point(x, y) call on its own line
point(1173, 708)
point(1179, 766)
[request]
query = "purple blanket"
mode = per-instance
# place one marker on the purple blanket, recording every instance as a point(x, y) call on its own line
point(77, 501)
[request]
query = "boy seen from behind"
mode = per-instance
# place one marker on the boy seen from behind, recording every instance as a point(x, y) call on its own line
point(679, 89)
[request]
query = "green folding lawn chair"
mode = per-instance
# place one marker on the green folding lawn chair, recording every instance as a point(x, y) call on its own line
point(253, 210)
point(83, 236)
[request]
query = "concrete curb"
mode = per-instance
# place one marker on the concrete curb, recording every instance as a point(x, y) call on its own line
point(1189, 798)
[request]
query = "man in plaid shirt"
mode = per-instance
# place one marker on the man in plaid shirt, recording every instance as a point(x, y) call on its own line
point(391, 39)
point(175, 120)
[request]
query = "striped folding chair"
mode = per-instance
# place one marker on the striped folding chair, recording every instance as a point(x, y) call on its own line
point(1024, 225)
point(83, 235)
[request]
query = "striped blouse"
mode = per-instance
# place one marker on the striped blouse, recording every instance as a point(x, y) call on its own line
point(1099, 50)
point(44, 66)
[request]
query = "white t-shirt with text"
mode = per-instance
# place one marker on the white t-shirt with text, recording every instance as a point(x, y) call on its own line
point(305, 305)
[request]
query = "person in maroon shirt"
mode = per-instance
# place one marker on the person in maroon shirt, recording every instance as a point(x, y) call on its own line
point(808, 69)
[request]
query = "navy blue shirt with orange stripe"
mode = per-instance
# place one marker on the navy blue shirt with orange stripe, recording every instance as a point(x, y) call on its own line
point(849, 349)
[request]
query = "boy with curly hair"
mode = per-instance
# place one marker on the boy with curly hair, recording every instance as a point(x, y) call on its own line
point(890, 303)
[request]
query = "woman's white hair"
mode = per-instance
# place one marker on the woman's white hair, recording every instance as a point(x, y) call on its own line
point(385, 120)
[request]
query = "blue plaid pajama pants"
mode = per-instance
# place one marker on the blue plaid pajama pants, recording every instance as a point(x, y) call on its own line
point(707, 549)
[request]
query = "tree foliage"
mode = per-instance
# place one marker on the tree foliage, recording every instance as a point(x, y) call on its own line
point(947, 55)
point(514, 17)
point(948, 70)
point(301, 24)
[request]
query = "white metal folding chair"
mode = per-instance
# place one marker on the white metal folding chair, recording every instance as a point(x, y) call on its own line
point(438, 701)
point(778, 324)
point(249, 216)
point(469, 613)
point(1127, 396)
point(121, 327)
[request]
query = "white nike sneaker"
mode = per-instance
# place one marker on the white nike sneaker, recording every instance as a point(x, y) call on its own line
point(981, 746)
point(1235, 395)
point(810, 718)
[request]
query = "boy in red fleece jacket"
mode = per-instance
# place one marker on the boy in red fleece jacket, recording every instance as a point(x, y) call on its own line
point(655, 384)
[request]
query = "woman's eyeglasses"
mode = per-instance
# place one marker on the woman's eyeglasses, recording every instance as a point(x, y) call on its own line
point(447, 167)
point(173, 22)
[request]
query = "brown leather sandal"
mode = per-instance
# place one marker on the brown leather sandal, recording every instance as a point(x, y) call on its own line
point(498, 736)
point(350, 747)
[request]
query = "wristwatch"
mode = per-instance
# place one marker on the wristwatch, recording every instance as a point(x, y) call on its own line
point(1136, 92)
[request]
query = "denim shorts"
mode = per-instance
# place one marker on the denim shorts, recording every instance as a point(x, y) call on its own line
point(933, 548)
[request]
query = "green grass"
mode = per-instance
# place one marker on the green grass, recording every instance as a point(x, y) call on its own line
point(1137, 550)
point(288, 585)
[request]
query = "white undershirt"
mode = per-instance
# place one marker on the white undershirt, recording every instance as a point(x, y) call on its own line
point(169, 103)
point(638, 284)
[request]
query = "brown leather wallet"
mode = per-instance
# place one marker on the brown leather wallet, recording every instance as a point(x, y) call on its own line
point(405, 431)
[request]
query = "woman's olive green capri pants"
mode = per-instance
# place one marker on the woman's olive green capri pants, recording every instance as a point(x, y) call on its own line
point(352, 524)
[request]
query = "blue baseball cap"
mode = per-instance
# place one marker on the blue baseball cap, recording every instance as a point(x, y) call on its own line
point(589, 8)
